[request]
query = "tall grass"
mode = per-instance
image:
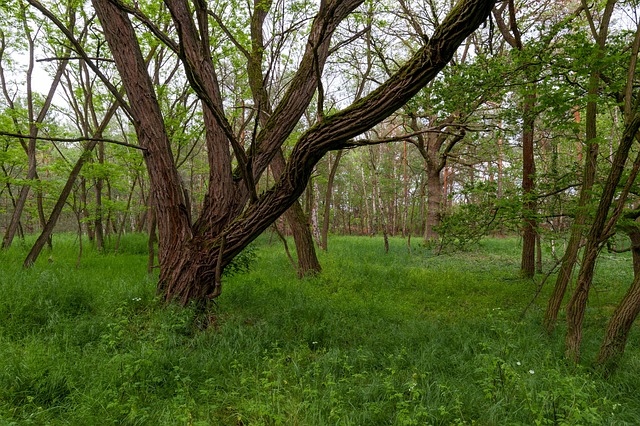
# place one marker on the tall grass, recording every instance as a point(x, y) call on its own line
point(376, 339)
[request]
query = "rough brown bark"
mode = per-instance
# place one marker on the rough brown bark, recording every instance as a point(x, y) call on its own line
point(430, 146)
point(171, 213)
point(512, 35)
point(434, 205)
point(308, 263)
point(617, 332)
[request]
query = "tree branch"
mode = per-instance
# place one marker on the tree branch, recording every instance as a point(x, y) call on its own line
point(72, 140)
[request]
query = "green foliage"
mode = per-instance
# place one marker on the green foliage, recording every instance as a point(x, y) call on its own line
point(466, 224)
point(242, 262)
point(376, 339)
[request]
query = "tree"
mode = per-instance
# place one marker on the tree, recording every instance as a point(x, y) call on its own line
point(513, 36)
point(589, 173)
point(192, 255)
point(34, 118)
point(603, 222)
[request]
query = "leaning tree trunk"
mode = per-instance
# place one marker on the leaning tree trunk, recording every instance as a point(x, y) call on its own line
point(30, 147)
point(308, 263)
point(577, 231)
point(577, 304)
point(617, 333)
point(48, 228)
point(588, 179)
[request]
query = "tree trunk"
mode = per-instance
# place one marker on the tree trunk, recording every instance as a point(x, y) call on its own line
point(308, 263)
point(577, 303)
point(327, 201)
point(151, 244)
point(529, 228)
point(48, 228)
point(192, 258)
point(588, 179)
point(22, 198)
point(617, 333)
point(98, 191)
point(434, 205)
point(30, 147)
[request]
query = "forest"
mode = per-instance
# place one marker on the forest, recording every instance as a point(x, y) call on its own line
point(334, 212)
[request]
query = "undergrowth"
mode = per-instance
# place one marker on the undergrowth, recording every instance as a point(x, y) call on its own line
point(404, 338)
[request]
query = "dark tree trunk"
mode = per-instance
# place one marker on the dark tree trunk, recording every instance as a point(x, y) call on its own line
point(617, 333)
point(324, 234)
point(308, 263)
point(529, 228)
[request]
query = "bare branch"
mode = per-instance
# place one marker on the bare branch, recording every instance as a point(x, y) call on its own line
point(72, 140)
point(73, 58)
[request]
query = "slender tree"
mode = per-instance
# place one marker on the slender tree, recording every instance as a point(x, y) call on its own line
point(589, 172)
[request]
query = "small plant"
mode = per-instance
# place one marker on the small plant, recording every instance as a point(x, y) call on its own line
point(243, 262)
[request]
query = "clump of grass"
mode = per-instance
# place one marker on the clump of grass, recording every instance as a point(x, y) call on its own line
point(377, 338)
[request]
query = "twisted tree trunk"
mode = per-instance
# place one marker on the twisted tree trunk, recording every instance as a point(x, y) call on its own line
point(191, 258)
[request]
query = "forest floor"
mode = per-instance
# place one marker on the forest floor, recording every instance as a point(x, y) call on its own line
point(403, 338)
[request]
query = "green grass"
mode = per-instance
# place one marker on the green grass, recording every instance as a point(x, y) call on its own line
point(376, 339)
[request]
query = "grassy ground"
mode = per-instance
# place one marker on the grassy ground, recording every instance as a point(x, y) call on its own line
point(395, 339)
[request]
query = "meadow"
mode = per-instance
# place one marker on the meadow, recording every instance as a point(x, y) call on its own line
point(403, 338)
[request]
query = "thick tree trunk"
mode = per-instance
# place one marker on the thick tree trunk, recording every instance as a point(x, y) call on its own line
point(434, 205)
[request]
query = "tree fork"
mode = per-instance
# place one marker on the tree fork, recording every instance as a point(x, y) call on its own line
point(188, 261)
